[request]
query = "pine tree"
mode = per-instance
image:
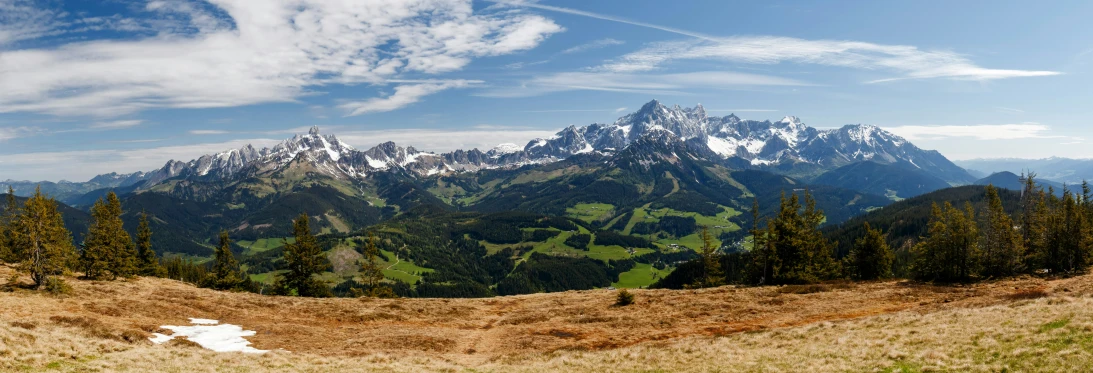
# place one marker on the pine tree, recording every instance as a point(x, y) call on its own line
point(1001, 246)
point(712, 275)
point(225, 275)
point(371, 272)
point(148, 263)
point(870, 258)
point(108, 250)
point(7, 216)
point(304, 259)
point(41, 240)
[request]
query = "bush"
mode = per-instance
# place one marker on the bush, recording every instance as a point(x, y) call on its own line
point(625, 298)
point(57, 286)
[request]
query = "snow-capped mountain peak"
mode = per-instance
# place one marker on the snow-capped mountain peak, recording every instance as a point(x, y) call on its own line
point(728, 140)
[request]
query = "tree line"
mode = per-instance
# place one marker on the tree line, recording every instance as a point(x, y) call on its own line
point(1048, 235)
point(33, 237)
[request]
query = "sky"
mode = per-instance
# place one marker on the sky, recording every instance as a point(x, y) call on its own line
point(90, 87)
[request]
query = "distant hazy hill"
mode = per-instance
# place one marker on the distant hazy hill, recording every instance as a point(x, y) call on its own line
point(894, 180)
point(1062, 170)
point(1011, 181)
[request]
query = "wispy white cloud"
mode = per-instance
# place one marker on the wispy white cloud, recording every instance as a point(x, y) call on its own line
point(22, 20)
point(908, 61)
point(534, 5)
point(743, 110)
point(1029, 130)
point(669, 84)
point(577, 111)
point(521, 65)
point(116, 124)
point(8, 133)
point(595, 44)
point(404, 95)
point(260, 52)
point(1009, 110)
point(444, 140)
point(84, 164)
point(619, 110)
point(208, 132)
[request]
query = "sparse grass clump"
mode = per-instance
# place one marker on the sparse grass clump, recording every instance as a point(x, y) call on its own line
point(1028, 294)
point(624, 298)
point(1056, 324)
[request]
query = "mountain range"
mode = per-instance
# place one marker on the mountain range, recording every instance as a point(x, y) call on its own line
point(787, 146)
point(658, 161)
point(1062, 170)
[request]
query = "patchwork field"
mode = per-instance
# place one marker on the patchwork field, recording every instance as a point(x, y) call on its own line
point(1027, 324)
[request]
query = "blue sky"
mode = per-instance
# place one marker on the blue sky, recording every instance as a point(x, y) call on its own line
point(93, 87)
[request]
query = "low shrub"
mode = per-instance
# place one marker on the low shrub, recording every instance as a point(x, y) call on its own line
point(625, 298)
point(57, 286)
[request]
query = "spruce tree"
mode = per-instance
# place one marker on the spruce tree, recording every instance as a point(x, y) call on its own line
point(1001, 246)
point(821, 259)
point(949, 252)
point(803, 254)
point(371, 273)
point(870, 258)
point(304, 259)
point(7, 216)
point(108, 250)
point(1072, 253)
point(763, 264)
point(225, 275)
point(41, 240)
point(712, 275)
point(148, 263)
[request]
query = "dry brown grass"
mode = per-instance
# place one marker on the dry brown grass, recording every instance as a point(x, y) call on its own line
point(845, 327)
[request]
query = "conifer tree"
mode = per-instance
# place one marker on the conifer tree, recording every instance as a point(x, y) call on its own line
point(1001, 246)
point(870, 258)
point(1033, 222)
point(148, 263)
point(371, 272)
point(821, 260)
point(225, 274)
point(304, 259)
point(804, 255)
point(7, 218)
point(41, 240)
point(108, 250)
point(763, 264)
point(1071, 253)
point(712, 275)
point(949, 252)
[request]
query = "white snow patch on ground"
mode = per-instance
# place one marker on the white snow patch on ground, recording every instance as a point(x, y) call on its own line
point(210, 335)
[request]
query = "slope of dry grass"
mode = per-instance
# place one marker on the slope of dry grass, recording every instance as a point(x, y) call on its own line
point(1024, 325)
